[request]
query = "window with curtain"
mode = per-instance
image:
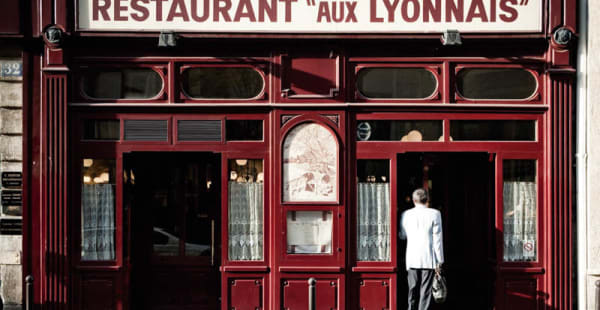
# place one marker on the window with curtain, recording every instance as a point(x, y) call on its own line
point(373, 210)
point(245, 210)
point(520, 210)
point(98, 210)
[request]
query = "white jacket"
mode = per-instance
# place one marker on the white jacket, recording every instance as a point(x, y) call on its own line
point(422, 226)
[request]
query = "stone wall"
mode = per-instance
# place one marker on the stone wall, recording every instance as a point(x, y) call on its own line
point(11, 141)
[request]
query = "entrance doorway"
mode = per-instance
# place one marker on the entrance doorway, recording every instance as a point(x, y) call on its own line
point(461, 186)
point(172, 206)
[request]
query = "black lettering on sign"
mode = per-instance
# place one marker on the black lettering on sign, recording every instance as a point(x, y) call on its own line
point(12, 179)
point(10, 226)
point(11, 197)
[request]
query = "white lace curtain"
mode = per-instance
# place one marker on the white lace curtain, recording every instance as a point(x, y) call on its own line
point(245, 221)
point(520, 221)
point(98, 222)
point(373, 222)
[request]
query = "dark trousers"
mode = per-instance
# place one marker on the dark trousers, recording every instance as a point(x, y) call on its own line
point(419, 288)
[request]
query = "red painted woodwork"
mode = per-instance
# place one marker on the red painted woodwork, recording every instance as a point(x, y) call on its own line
point(295, 293)
point(309, 76)
point(520, 294)
point(245, 293)
point(280, 281)
point(55, 273)
point(560, 188)
point(374, 293)
point(10, 23)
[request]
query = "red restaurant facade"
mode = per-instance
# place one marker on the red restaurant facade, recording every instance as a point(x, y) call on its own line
point(219, 154)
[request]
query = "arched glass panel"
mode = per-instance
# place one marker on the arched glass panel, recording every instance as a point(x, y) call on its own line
point(121, 83)
point(310, 164)
point(496, 83)
point(222, 83)
point(400, 83)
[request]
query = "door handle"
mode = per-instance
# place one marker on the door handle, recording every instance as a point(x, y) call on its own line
point(212, 242)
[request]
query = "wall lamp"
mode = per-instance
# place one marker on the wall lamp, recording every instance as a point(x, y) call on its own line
point(167, 39)
point(451, 37)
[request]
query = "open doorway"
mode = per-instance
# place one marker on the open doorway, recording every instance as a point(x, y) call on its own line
point(461, 186)
point(172, 224)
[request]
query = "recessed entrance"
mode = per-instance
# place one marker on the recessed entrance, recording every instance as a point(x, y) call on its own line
point(172, 207)
point(461, 186)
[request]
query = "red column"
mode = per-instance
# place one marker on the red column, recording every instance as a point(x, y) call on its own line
point(559, 216)
point(51, 219)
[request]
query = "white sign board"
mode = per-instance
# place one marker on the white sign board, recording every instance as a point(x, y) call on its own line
point(312, 16)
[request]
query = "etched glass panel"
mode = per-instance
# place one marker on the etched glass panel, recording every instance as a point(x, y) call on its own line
point(309, 232)
point(310, 164)
point(98, 210)
point(373, 210)
point(520, 210)
point(245, 213)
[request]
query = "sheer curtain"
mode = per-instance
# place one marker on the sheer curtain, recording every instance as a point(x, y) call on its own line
point(520, 221)
point(98, 222)
point(245, 221)
point(373, 222)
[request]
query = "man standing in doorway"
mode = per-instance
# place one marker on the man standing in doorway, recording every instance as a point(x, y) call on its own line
point(422, 227)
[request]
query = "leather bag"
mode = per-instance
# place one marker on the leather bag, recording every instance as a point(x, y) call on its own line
point(439, 288)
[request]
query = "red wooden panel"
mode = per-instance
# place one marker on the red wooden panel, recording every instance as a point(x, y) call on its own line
point(245, 294)
point(97, 294)
point(520, 294)
point(374, 294)
point(295, 294)
point(10, 20)
point(311, 76)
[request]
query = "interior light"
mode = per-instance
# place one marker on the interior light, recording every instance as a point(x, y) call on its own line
point(87, 179)
point(233, 175)
point(88, 162)
point(241, 162)
point(97, 180)
point(260, 177)
point(105, 177)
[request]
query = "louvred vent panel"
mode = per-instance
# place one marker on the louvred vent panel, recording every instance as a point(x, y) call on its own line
point(199, 130)
point(146, 130)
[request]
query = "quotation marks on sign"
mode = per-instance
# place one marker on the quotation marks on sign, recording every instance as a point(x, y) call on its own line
point(336, 11)
point(524, 2)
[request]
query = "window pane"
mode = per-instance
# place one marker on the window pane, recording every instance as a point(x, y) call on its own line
point(98, 129)
point(309, 232)
point(114, 83)
point(373, 204)
point(520, 210)
point(245, 215)
point(244, 130)
point(98, 210)
point(496, 130)
point(222, 83)
point(405, 83)
point(396, 130)
point(496, 83)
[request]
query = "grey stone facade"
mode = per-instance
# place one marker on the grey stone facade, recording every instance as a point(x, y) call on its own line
point(11, 155)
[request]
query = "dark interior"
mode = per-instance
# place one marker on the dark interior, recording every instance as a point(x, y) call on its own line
point(172, 204)
point(461, 187)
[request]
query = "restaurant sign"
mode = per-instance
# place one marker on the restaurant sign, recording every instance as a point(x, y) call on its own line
point(312, 16)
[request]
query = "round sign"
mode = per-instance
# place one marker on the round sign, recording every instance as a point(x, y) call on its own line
point(528, 246)
point(363, 131)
